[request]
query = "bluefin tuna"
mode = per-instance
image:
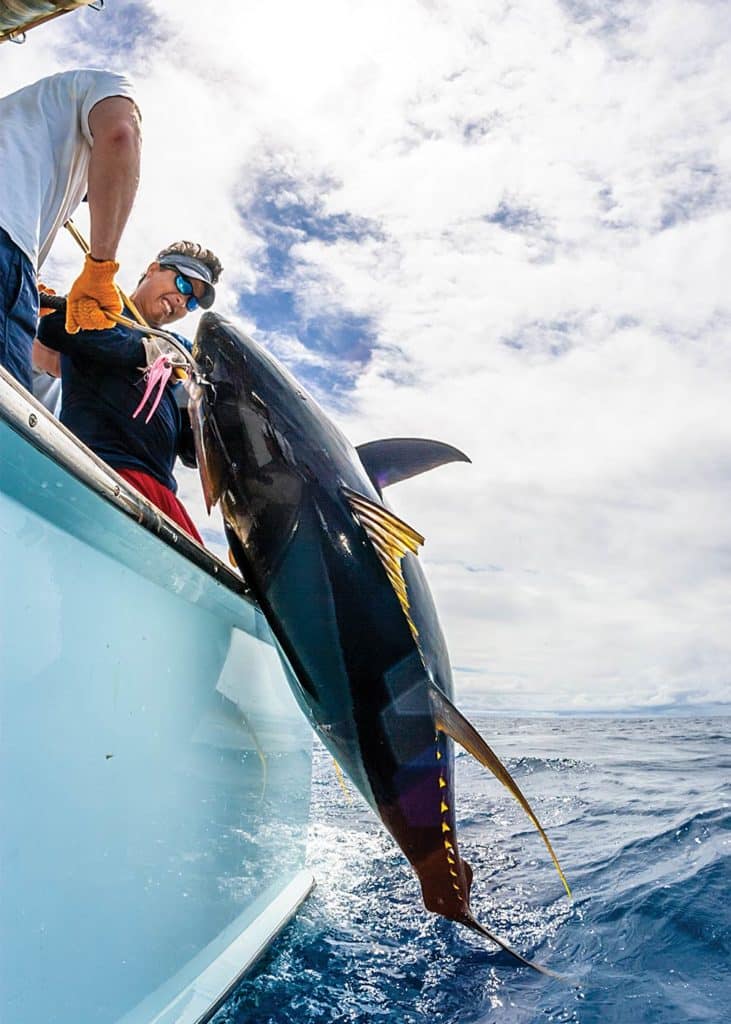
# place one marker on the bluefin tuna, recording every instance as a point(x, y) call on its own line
point(338, 577)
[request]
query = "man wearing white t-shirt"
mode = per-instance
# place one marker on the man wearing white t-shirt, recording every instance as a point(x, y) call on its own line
point(73, 134)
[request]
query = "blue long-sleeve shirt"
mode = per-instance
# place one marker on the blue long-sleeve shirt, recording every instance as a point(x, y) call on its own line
point(103, 382)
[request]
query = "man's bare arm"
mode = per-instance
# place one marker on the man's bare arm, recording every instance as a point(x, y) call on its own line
point(114, 172)
point(46, 359)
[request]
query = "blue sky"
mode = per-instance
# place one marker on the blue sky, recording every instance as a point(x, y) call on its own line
point(503, 225)
point(282, 215)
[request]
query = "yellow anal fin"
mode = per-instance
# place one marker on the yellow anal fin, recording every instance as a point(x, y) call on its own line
point(454, 724)
point(341, 780)
point(392, 538)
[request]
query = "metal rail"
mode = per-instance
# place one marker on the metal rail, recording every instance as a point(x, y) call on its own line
point(29, 418)
point(19, 16)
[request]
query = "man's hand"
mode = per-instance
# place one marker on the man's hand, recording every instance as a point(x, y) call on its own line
point(93, 295)
point(43, 289)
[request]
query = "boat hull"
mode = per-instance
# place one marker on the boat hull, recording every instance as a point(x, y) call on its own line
point(154, 767)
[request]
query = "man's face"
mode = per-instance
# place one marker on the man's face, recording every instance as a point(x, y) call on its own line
point(158, 298)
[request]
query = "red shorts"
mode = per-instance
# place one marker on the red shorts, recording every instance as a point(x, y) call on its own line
point(162, 497)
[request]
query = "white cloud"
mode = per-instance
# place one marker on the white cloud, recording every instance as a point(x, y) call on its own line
point(548, 283)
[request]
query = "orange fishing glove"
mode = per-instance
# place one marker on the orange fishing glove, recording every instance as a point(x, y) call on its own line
point(93, 294)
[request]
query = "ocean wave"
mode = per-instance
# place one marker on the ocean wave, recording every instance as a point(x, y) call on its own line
point(640, 820)
point(529, 765)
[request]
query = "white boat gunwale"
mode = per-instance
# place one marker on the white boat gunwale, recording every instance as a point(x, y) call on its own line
point(181, 999)
point(204, 997)
point(28, 417)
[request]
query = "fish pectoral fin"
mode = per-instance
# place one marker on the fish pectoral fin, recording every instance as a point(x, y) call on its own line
point(452, 722)
point(236, 554)
point(209, 466)
point(398, 458)
point(469, 921)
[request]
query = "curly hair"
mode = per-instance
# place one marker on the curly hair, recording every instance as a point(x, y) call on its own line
point(196, 252)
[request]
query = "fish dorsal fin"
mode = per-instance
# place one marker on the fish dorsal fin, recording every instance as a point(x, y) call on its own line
point(397, 458)
point(454, 724)
point(392, 538)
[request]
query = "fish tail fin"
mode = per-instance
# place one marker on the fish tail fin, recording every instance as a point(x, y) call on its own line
point(454, 724)
point(469, 921)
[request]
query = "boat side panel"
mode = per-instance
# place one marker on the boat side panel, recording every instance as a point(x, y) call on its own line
point(154, 768)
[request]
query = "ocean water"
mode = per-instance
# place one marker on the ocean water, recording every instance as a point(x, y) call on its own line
point(639, 813)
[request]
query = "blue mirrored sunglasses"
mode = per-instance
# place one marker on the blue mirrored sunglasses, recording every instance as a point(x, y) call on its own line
point(186, 288)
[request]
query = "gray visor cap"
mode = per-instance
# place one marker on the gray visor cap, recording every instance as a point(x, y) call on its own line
point(189, 266)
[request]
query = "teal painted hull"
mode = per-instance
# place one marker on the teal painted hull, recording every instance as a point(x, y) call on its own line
point(154, 768)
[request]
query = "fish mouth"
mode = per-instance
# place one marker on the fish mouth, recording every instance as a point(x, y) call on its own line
point(218, 351)
point(204, 336)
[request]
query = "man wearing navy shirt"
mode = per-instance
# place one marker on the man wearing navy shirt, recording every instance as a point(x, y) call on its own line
point(103, 375)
